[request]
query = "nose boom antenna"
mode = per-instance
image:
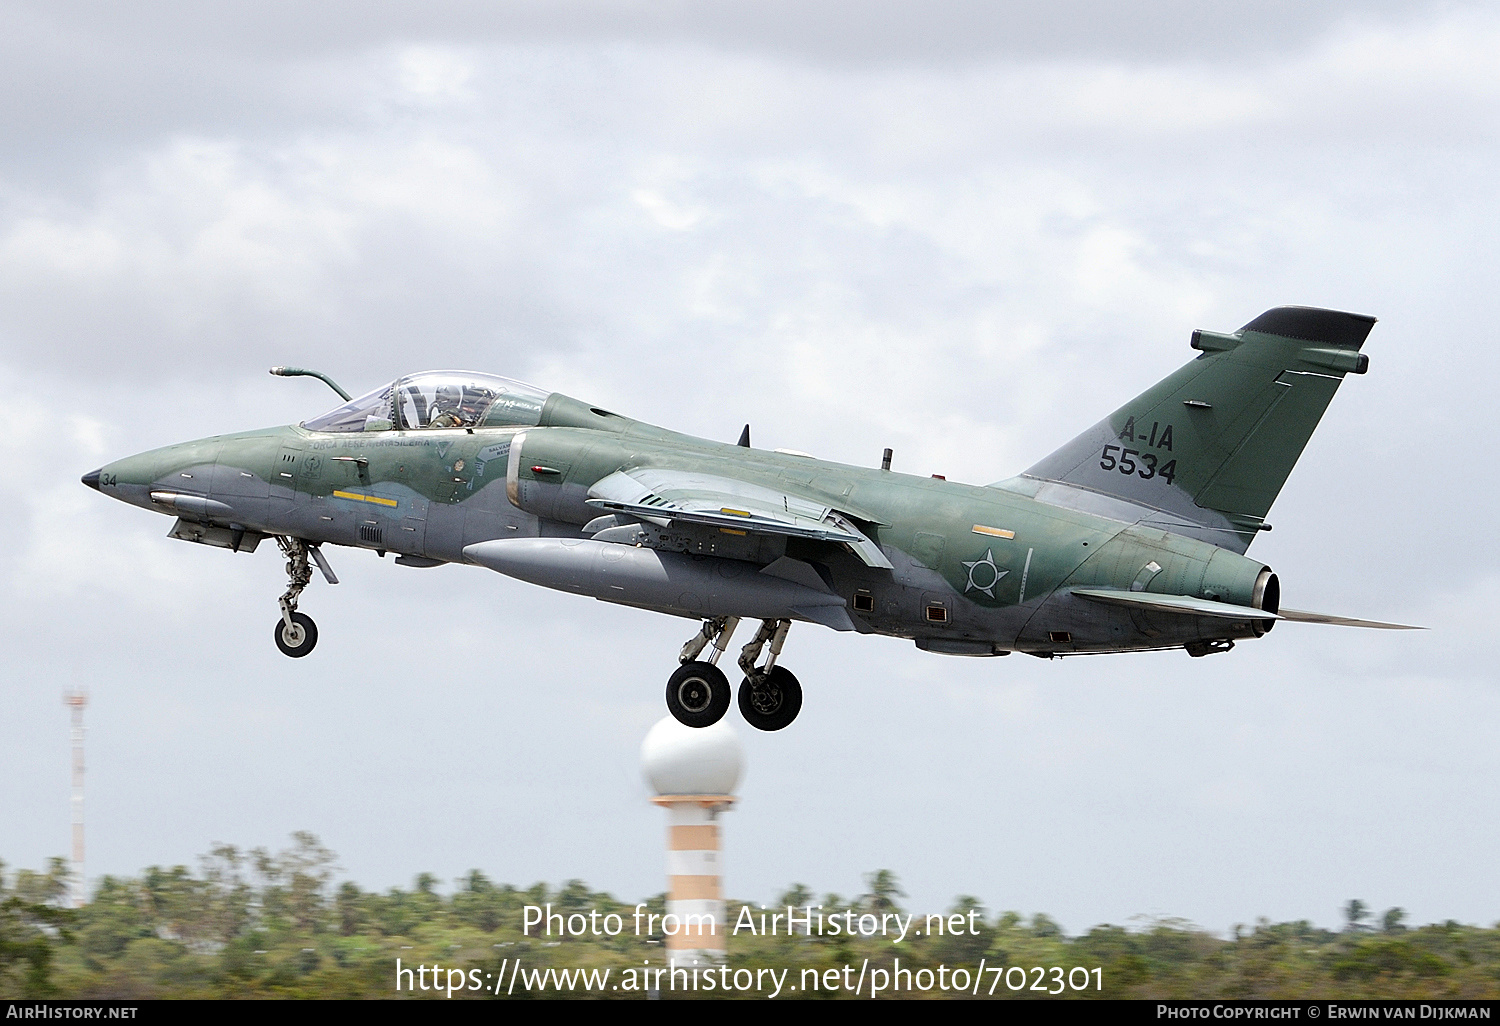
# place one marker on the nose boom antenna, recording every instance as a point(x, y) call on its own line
point(300, 372)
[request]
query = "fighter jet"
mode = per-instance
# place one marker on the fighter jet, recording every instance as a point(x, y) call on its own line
point(1132, 537)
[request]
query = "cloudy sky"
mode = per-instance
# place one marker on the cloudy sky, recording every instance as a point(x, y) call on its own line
point(965, 230)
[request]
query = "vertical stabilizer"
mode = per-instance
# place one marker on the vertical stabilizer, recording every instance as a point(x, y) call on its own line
point(1206, 451)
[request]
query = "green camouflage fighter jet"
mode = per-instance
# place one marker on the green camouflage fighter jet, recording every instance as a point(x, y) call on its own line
point(1131, 537)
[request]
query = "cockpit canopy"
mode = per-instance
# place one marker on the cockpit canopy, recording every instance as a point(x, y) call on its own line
point(438, 399)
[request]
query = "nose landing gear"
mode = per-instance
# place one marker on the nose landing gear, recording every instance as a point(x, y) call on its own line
point(296, 634)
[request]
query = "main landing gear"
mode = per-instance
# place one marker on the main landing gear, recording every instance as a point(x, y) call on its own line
point(770, 697)
point(296, 634)
point(698, 693)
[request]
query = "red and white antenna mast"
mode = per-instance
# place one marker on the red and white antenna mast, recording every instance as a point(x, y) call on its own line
point(77, 699)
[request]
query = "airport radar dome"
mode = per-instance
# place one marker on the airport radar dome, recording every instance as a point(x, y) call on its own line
point(678, 759)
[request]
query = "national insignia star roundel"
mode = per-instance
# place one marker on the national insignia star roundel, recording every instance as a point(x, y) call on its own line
point(983, 574)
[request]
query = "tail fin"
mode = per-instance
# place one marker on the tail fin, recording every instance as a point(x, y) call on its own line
point(1206, 451)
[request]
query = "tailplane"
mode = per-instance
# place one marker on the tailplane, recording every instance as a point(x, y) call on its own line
point(1206, 451)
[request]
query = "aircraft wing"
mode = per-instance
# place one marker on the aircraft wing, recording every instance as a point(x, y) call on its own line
point(1187, 605)
point(663, 496)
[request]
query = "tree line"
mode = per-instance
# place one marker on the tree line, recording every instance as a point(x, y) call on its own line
point(253, 923)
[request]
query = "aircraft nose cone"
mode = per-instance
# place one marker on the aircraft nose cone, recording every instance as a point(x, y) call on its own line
point(92, 479)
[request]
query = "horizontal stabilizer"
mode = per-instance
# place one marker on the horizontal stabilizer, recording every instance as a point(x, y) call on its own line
point(1187, 605)
point(1302, 616)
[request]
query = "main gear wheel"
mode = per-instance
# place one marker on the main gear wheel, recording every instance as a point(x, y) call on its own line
point(698, 694)
point(771, 700)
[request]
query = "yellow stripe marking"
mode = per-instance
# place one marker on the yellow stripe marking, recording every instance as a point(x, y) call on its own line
point(377, 500)
point(733, 512)
point(993, 532)
point(730, 530)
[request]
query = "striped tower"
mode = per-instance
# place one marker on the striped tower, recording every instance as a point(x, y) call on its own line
point(78, 888)
point(693, 772)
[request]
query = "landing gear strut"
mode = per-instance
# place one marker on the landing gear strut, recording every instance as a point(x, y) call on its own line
point(296, 634)
point(698, 693)
point(770, 697)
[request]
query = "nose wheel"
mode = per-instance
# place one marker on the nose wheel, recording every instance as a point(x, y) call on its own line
point(297, 638)
point(296, 634)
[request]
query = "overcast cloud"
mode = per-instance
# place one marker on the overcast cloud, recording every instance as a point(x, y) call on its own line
point(963, 230)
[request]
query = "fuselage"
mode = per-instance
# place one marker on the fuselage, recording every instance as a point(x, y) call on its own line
point(973, 570)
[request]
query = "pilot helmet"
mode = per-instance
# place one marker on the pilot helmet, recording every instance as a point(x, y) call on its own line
point(447, 397)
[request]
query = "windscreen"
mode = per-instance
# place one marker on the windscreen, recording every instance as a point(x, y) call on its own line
point(369, 412)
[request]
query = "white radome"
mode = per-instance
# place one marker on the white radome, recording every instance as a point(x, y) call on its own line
point(691, 760)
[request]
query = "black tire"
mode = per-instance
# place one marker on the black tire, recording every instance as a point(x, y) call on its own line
point(698, 694)
point(773, 702)
point(297, 643)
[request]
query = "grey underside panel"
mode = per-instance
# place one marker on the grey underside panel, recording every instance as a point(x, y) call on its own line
point(836, 617)
point(704, 586)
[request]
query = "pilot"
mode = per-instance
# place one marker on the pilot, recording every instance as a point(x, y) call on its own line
point(447, 408)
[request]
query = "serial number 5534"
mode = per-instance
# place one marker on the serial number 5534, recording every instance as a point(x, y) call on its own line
point(1142, 464)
